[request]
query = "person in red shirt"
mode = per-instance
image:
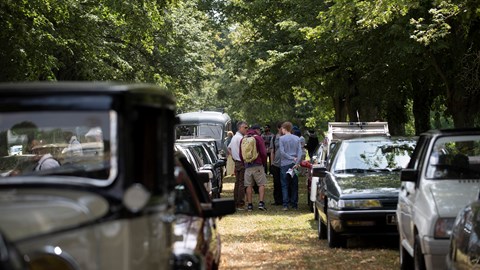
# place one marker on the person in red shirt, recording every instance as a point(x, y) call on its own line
point(254, 171)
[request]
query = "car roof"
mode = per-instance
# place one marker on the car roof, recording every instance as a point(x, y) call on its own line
point(203, 117)
point(195, 139)
point(141, 93)
point(453, 131)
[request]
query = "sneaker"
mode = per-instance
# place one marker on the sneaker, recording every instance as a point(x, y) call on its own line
point(285, 208)
point(240, 208)
point(250, 207)
point(261, 206)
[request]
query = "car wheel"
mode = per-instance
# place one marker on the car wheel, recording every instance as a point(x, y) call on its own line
point(335, 240)
point(322, 229)
point(418, 258)
point(406, 261)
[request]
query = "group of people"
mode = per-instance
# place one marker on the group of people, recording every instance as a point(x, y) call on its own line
point(279, 154)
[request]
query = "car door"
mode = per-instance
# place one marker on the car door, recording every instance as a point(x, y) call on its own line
point(322, 186)
point(408, 192)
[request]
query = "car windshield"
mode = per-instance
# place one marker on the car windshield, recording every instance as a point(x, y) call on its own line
point(66, 143)
point(455, 157)
point(200, 130)
point(372, 156)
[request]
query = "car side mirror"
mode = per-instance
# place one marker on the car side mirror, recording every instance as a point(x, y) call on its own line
point(221, 207)
point(208, 167)
point(319, 171)
point(203, 177)
point(409, 175)
point(220, 163)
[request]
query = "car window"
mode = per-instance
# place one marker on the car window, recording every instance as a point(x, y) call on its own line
point(186, 200)
point(199, 188)
point(71, 143)
point(373, 155)
point(417, 153)
point(202, 154)
point(454, 157)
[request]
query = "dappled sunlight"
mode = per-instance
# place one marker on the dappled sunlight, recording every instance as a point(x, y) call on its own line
point(277, 239)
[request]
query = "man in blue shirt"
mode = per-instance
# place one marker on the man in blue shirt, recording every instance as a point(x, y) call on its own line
point(290, 155)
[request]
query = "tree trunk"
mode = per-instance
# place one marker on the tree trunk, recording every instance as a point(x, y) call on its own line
point(422, 102)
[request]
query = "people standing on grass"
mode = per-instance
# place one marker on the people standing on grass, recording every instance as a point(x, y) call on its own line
point(275, 166)
point(234, 150)
point(254, 168)
point(267, 138)
point(290, 155)
point(230, 162)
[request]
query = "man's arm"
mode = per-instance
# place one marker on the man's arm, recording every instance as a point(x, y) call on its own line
point(262, 151)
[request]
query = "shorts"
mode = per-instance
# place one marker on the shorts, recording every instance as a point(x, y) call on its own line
point(256, 174)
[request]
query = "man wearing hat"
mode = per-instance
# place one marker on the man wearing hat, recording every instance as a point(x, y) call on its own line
point(254, 171)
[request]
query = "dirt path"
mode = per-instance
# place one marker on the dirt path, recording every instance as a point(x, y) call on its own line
point(288, 240)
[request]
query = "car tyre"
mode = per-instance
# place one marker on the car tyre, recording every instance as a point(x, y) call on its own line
point(335, 240)
point(418, 258)
point(406, 261)
point(322, 228)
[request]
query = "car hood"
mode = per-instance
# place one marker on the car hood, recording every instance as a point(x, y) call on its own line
point(451, 196)
point(30, 212)
point(378, 184)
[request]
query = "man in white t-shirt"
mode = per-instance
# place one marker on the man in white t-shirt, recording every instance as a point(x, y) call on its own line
point(234, 150)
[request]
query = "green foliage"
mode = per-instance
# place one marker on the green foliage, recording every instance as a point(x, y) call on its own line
point(306, 61)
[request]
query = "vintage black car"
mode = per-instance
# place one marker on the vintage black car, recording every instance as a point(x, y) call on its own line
point(357, 192)
point(93, 184)
point(198, 243)
point(209, 162)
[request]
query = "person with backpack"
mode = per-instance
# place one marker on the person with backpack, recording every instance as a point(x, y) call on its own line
point(254, 155)
point(290, 156)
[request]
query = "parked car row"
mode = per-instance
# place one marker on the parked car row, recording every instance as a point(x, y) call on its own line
point(98, 184)
point(203, 158)
point(426, 191)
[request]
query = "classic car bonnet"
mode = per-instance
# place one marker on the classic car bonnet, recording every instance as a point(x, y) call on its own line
point(31, 212)
point(381, 184)
point(452, 195)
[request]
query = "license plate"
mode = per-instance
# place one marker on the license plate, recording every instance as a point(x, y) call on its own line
point(391, 219)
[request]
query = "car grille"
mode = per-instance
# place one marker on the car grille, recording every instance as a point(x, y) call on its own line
point(389, 204)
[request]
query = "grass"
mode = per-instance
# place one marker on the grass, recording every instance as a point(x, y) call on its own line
point(278, 239)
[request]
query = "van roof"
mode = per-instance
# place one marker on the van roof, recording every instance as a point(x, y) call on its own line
point(199, 117)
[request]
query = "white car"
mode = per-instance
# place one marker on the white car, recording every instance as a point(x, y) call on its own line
point(442, 177)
